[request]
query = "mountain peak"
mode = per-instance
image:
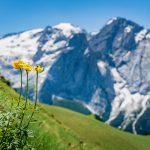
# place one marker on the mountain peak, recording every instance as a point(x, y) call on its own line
point(115, 19)
point(121, 20)
point(68, 28)
point(110, 21)
point(65, 26)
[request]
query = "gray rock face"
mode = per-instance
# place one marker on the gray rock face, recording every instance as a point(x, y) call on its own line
point(108, 72)
point(115, 40)
point(76, 76)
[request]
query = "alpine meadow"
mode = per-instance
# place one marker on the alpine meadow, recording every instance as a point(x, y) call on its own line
point(74, 75)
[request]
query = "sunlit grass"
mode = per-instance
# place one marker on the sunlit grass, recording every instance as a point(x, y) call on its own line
point(15, 122)
point(60, 129)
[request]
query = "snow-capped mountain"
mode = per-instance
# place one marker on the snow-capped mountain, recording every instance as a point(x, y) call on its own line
point(108, 71)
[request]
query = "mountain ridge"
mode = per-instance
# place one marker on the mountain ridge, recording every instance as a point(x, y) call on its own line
point(105, 71)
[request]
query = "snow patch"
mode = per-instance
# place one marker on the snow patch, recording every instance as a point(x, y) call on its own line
point(126, 102)
point(90, 108)
point(148, 36)
point(50, 46)
point(141, 35)
point(102, 67)
point(128, 29)
point(97, 105)
point(86, 51)
point(111, 21)
point(94, 33)
point(144, 100)
point(67, 29)
point(22, 46)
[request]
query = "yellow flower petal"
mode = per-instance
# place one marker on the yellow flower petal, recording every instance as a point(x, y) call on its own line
point(38, 69)
point(17, 64)
point(27, 67)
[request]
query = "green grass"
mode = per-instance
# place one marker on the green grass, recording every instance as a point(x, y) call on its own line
point(61, 129)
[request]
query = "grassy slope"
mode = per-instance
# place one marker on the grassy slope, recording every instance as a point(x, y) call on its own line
point(61, 129)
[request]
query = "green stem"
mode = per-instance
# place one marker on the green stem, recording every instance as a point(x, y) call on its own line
point(20, 87)
point(36, 98)
point(36, 91)
point(25, 106)
point(23, 112)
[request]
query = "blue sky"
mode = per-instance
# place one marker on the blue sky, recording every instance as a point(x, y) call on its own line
point(19, 15)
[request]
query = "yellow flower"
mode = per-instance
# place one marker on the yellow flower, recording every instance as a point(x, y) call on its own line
point(38, 69)
point(18, 64)
point(27, 67)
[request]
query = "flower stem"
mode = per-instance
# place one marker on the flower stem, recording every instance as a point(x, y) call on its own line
point(36, 91)
point(27, 87)
point(20, 87)
point(36, 98)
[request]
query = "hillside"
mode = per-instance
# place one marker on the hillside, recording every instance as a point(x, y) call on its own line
point(107, 72)
point(61, 129)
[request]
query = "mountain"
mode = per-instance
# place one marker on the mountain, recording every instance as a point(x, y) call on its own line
point(61, 129)
point(108, 71)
